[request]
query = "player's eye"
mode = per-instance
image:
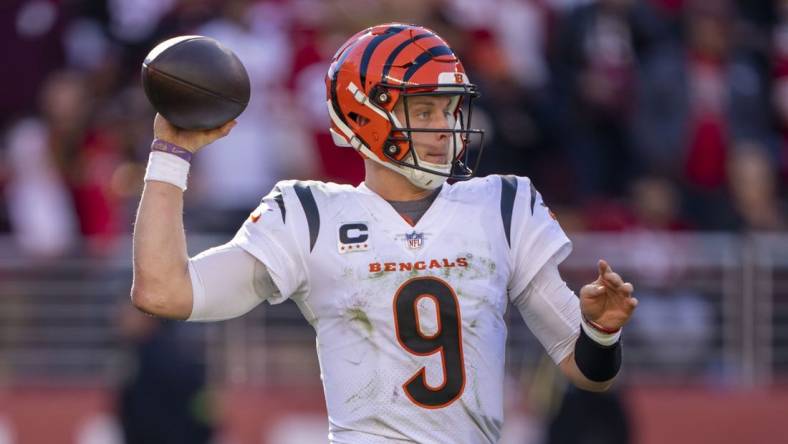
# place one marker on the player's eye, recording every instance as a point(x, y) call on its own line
point(423, 115)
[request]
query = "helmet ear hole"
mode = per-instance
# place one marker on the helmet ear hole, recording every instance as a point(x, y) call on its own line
point(358, 119)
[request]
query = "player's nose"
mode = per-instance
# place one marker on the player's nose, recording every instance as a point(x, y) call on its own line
point(442, 122)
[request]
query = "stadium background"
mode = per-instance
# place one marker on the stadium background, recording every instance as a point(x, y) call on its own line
point(657, 130)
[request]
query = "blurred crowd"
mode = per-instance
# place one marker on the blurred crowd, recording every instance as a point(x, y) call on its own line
point(628, 114)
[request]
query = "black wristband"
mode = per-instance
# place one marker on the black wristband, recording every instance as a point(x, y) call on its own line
point(597, 362)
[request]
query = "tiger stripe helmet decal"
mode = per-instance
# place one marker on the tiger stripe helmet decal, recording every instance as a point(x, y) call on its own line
point(375, 70)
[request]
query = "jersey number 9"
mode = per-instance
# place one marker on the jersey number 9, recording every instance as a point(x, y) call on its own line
point(447, 340)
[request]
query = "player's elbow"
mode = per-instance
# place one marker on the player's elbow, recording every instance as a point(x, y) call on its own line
point(161, 291)
point(158, 300)
point(145, 300)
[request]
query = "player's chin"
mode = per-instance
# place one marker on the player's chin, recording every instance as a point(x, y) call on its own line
point(440, 159)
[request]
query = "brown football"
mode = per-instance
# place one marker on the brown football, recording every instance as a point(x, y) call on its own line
point(195, 82)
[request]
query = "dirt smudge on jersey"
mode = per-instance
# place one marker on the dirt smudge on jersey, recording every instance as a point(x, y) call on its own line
point(478, 267)
point(358, 319)
point(358, 316)
point(363, 395)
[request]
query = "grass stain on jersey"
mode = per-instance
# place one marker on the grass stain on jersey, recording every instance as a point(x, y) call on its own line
point(359, 316)
point(487, 264)
point(478, 267)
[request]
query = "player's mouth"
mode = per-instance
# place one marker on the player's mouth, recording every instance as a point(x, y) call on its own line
point(440, 158)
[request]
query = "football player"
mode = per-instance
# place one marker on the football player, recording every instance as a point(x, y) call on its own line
point(405, 277)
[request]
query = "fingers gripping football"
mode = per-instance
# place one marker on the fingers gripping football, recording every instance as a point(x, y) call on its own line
point(191, 140)
point(608, 301)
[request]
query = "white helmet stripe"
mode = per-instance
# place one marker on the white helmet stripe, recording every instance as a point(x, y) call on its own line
point(364, 99)
point(347, 132)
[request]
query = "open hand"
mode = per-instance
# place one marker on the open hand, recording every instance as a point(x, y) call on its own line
point(191, 140)
point(608, 301)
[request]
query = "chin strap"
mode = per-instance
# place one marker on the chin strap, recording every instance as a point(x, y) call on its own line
point(424, 179)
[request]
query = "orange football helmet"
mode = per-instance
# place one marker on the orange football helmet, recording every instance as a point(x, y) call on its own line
point(377, 68)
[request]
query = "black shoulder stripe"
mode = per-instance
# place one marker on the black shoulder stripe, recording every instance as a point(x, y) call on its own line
point(307, 200)
point(508, 192)
point(533, 197)
point(276, 195)
point(280, 201)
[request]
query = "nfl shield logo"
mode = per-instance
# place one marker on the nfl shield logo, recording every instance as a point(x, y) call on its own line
point(414, 240)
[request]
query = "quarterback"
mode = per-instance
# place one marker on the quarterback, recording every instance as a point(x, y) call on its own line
point(406, 277)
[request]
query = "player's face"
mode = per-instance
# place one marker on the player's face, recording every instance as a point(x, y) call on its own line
point(429, 112)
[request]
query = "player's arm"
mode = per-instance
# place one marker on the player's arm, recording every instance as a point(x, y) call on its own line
point(161, 284)
point(605, 306)
point(227, 282)
point(570, 370)
point(589, 359)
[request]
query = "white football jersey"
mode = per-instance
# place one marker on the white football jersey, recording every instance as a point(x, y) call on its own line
point(410, 319)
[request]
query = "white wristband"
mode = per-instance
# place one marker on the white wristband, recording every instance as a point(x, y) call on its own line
point(169, 168)
point(597, 336)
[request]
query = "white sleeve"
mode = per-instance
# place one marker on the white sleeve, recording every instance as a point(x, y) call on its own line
point(274, 234)
point(227, 282)
point(537, 238)
point(552, 311)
